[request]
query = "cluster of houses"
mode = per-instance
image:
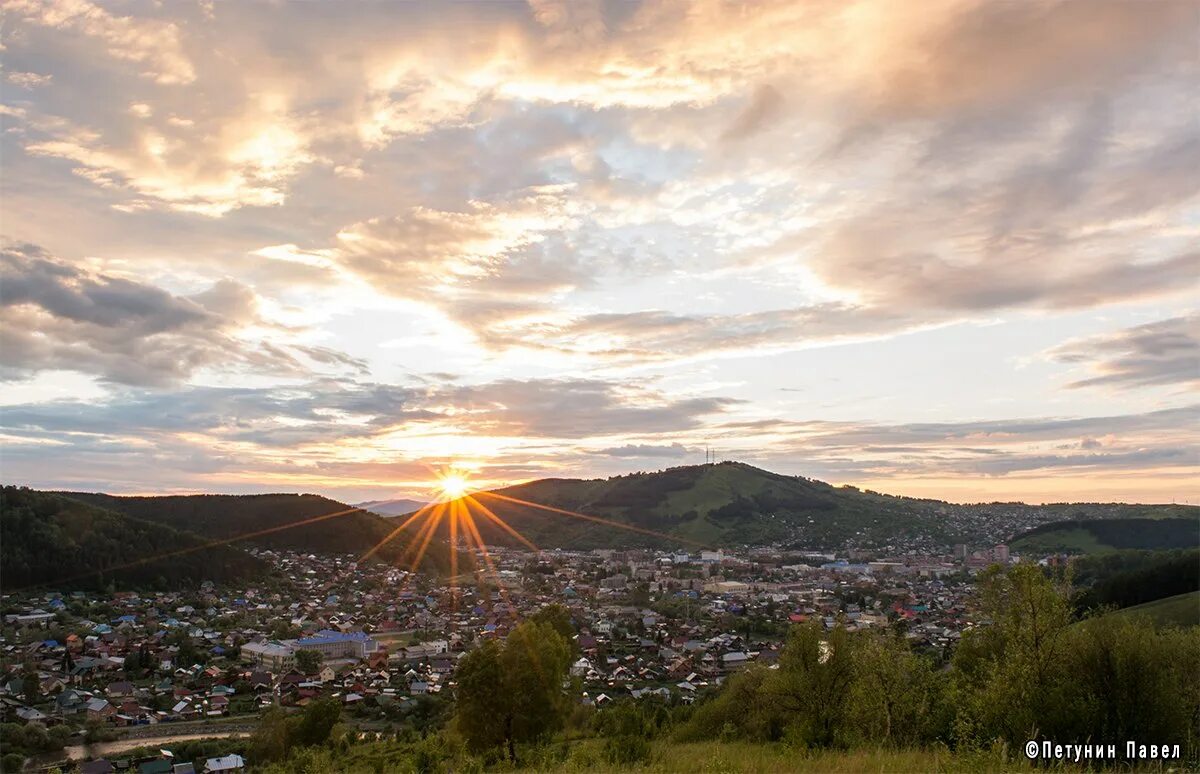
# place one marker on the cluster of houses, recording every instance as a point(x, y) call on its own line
point(668, 624)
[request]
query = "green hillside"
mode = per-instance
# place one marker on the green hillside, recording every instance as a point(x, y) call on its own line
point(50, 540)
point(295, 522)
point(733, 503)
point(713, 505)
point(1128, 578)
point(1086, 537)
point(1179, 610)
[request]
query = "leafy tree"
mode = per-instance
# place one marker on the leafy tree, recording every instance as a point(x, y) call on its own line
point(483, 704)
point(627, 728)
point(513, 693)
point(559, 619)
point(31, 684)
point(317, 722)
point(813, 680)
point(897, 698)
point(1012, 670)
point(1130, 679)
point(309, 661)
point(277, 734)
point(742, 705)
point(271, 738)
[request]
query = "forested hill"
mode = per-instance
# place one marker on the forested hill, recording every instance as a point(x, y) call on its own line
point(733, 503)
point(307, 523)
point(263, 520)
point(50, 540)
point(713, 505)
point(1083, 537)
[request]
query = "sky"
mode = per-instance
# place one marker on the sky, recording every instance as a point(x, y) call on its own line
point(335, 247)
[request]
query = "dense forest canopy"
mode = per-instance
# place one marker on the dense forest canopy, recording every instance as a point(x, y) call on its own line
point(53, 540)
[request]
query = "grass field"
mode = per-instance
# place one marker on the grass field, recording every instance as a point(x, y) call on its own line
point(739, 757)
point(1071, 541)
point(1179, 610)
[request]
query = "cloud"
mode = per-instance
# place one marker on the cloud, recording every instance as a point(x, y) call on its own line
point(154, 44)
point(330, 410)
point(207, 169)
point(576, 408)
point(997, 431)
point(657, 335)
point(589, 192)
point(643, 450)
point(486, 247)
point(764, 104)
point(363, 435)
point(60, 317)
point(27, 80)
point(1166, 352)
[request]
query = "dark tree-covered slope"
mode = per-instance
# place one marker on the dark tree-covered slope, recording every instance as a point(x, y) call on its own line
point(1126, 578)
point(50, 540)
point(294, 522)
point(1081, 537)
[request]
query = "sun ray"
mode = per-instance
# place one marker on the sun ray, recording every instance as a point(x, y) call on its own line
point(391, 535)
point(473, 531)
point(429, 524)
point(432, 526)
point(502, 523)
point(455, 509)
point(597, 519)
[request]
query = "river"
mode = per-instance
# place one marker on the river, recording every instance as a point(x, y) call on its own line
point(82, 752)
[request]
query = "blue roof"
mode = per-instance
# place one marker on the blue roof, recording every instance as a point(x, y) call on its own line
point(329, 636)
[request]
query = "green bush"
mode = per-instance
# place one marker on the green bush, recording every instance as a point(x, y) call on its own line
point(626, 750)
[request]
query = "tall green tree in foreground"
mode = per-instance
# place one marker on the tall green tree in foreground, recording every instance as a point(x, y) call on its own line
point(513, 692)
point(559, 618)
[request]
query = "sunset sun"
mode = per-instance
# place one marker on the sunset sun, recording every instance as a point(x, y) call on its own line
point(453, 485)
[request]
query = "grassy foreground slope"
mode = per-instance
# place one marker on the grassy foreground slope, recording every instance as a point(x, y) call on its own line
point(1179, 610)
point(587, 756)
point(668, 757)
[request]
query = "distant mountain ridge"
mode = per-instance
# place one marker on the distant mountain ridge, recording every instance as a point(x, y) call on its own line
point(391, 508)
point(720, 505)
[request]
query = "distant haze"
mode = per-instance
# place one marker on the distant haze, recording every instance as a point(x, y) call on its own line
point(390, 507)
